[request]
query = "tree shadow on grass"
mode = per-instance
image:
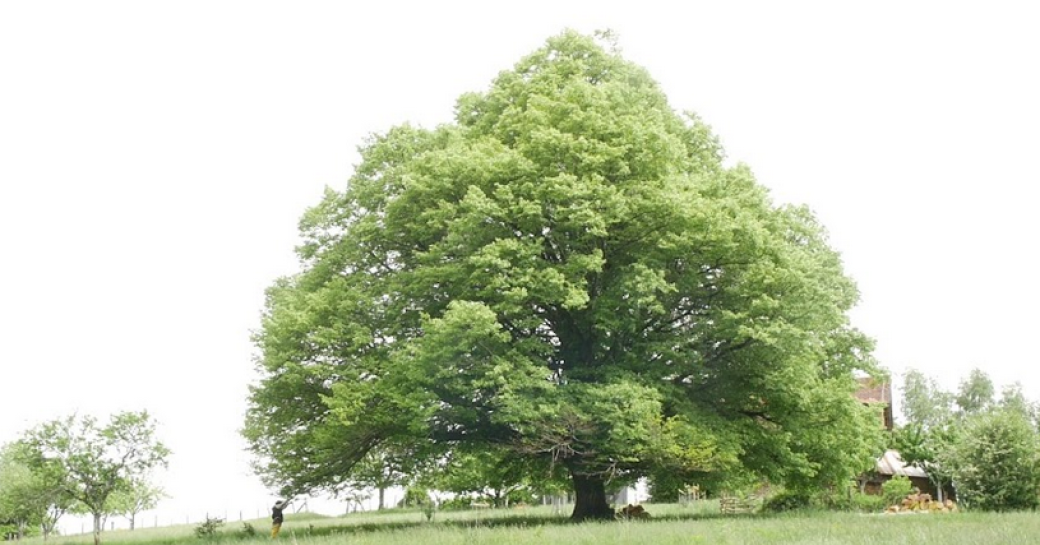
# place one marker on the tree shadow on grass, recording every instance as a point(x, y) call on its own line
point(508, 521)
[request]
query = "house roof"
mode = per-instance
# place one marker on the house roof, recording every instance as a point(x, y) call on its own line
point(891, 463)
point(872, 390)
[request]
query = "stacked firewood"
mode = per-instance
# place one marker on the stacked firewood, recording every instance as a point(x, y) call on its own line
point(922, 503)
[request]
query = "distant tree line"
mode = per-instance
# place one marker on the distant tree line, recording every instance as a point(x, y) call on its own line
point(81, 466)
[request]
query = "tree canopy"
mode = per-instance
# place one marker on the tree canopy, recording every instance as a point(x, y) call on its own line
point(570, 273)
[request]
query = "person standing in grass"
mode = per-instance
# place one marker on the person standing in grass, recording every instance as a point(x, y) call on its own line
point(277, 517)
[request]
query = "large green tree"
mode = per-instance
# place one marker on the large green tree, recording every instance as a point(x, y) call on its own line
point(98, 461)
point(568, 272)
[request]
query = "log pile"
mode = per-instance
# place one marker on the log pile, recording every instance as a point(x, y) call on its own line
point(922, 503)
point(632, 512)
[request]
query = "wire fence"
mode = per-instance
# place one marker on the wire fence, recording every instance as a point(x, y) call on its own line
point(84, 524)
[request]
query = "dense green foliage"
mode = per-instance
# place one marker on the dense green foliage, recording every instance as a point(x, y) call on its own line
point(569, 274)
point(19, 492)
point(31, 494)
point(896, 489)
point(996, 462)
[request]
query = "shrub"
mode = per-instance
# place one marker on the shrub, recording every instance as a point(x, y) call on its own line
point(428, 510)
point(849, 499)
point(458, 503)
point(866, 503)
point(209, 527)
point(896, 489)
point(788, 500)
point(995, 464)
point(248, 530)
point(414, 497)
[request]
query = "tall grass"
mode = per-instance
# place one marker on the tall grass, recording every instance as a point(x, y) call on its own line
point(541, 526)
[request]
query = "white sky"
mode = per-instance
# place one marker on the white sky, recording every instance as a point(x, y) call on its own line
point(155, 158)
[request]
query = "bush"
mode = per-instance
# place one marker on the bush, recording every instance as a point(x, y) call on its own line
point(209, 527)
point(788, 500)
point(458, 503)
point(428, 510)
point(995, 464)
point(248, 530)
point(896, 489)
point(866, 503)
point(414, 497)
point(849, 499)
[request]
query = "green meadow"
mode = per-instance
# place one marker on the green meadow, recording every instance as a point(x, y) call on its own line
point(676, 524)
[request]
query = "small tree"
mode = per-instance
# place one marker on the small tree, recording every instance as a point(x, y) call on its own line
point(209, 527)
point(931, 428)
point(995, 463)
point(925, 403)
point(139, 495)
point(491, 473)
point(382, 469)
point(414, 496)
point(975, 393)
point(98, 461)
point(1012, 398)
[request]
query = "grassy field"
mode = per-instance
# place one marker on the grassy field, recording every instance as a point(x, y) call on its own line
point(539, 525)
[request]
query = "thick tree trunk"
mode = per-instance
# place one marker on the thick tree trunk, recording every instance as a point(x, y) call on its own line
point(590, 498)
point(382, 496)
